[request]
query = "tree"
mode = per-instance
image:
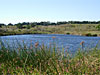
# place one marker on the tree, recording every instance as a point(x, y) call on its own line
point(2, 25)
point(28, 26)
point(19, 25)
point(10, 24)
point(98, 27)
point(33, 24)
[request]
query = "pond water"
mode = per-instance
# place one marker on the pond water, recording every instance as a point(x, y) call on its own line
point(68, 42)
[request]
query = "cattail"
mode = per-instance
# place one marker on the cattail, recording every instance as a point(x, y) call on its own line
point(53, 37)
point(31, 71)
point(7, 51)
point(31, 47)
point(59, 73)
point(8, 71)
point(82, 44)
point(99, 68)
point(17, 67)
point(67, 70)
point(36, 44)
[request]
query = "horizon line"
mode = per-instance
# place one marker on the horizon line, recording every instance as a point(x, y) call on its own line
point(52, 21)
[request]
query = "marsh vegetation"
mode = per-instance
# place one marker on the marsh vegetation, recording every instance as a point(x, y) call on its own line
point(84, 28)
point(45, 60)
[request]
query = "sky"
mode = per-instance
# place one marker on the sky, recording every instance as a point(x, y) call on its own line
point(15, 11)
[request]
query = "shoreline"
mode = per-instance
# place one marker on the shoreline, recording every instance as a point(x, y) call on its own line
point(87, 35)
point(89, 30)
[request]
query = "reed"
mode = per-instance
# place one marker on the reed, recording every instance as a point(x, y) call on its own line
point(42, 60)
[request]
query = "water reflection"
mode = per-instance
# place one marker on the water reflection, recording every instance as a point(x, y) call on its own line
point(68, 42)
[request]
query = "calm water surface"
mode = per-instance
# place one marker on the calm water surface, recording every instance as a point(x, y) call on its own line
point(68, 42)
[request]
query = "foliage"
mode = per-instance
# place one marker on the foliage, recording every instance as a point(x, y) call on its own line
point(28, 26)
point(36, 28)
point(46, 23)
point(38, 60)
point(19, 25)
point(67, 33)
point(10, 24)
point(98, 27)
point(1, 25)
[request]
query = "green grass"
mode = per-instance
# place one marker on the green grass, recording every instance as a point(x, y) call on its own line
point(42, 60)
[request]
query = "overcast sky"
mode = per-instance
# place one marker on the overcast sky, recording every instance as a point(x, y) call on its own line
point(14, 11)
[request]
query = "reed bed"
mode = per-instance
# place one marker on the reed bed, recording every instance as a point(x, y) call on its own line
point(42, 60)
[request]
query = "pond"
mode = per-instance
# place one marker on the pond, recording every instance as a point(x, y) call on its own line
point(68, 42)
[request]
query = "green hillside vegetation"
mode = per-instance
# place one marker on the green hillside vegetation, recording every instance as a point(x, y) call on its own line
point(81, 28)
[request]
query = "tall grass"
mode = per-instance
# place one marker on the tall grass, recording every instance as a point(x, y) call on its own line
point(42, 60)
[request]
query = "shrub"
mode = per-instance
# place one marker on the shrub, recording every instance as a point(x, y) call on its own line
point(98, 27)
point(94, 34)
point(68, 33)
point(88, 34)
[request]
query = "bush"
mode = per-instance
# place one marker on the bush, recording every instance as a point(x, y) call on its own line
point(98, 27)
point(68, 33)
point(88, 34)
point(95, 35)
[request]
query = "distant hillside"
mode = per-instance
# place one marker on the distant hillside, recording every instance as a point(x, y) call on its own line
point(40, 28)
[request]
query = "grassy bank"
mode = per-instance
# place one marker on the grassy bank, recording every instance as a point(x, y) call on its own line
point(40, 60)
point(74, 29)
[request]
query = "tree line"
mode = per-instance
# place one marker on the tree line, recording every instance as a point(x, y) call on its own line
point(32, 24)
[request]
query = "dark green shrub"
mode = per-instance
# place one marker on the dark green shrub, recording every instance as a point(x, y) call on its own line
point(98, 27)
point(88, 34)
point(94, 34)
point(68, 33)
point(28, 26)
